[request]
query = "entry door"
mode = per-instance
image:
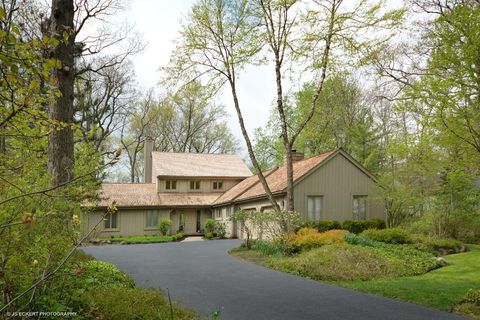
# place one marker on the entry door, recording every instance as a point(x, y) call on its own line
point(190, 222)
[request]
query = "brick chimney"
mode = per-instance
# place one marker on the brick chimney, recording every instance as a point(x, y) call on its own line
point(296, 156)
point(147, 168)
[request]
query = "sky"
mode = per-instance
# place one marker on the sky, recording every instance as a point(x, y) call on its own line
point(158, 22)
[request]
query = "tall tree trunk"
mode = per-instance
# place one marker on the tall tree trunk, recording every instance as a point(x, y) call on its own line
point(261, 177)
point(60, 139)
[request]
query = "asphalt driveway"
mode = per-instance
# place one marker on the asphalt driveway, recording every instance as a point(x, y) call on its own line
point(203, 276)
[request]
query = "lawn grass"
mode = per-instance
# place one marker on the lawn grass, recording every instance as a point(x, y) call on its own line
point(140, 239)
point(439, 289)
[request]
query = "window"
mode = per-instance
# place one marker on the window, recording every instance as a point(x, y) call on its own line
point(314, 207)
point(359, 207)
point(217, 185)
point(218, 213)
point(194, 185)
point(151, 218)
point(171, 185)
point(111, 221)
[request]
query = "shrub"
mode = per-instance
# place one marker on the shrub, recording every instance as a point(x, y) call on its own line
point(358, 226)
point(354, 239)
point(376, 223)
point(95, 272)
point(407, 260)
point(393, 235)
point(336, 262)
point(348, 262)
point(438, 246)
point(325, 225)
point(209, 225)
point(355, 226)
point(307, 238)
point(220, 229)
point(307, 224)
point(470, 304)
point(178, 236)
point(164, 225)
point(132, 303)
point(208, 235)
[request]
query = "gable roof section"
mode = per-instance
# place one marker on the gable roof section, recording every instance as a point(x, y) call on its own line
point(198, 165)
point(241, 187)
point(277, 181)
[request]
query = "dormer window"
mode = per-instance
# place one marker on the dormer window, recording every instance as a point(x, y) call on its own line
point(217, 185)
point(171, 185)
point(195, 185)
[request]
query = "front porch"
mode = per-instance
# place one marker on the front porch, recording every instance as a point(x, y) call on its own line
point(190, 221)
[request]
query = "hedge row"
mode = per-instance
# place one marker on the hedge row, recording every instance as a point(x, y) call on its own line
point(354, 226)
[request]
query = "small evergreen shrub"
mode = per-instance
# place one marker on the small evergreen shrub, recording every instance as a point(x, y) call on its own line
point(355, 239)
point(208, 235)
point(178, 236)
point(209, 225)
point(325, 225)
point(358, 226)
point(393, 235)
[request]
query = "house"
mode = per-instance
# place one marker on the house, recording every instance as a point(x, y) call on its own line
point(188, 188)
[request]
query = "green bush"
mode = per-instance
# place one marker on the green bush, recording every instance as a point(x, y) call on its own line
point(355, 239)
point(178, 236)
point(438, 246)
point(95, 272)
point(336, 262)
point(407, 260)
point(325, 225)
point(208, 235)
point(307, 224)
point(164, 226)
point(220, 229)
point(358, 226)
point(393, 235)
point(354, 262)
point(377, 224)
point(209, 225)
point(132, 303)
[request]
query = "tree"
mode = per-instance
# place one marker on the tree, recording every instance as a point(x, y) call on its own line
point(60, 146)
point(223, 37)
point(219, 39)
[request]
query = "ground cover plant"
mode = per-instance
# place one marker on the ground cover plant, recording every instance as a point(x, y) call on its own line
point(99, 290)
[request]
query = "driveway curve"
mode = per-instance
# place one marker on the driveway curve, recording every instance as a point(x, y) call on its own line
point(202, 275)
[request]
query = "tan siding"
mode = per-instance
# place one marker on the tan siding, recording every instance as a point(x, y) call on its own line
point(338, 180)
point(129, 222)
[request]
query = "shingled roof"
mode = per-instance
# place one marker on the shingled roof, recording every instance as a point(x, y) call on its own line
point(198, 165)
point(276, 179)
point(145, 195)
point(128, 194)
